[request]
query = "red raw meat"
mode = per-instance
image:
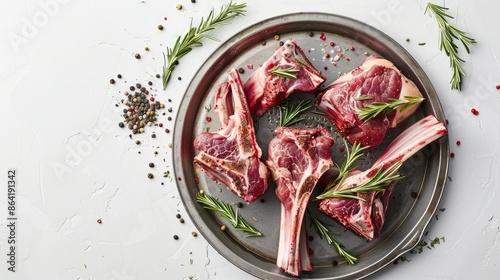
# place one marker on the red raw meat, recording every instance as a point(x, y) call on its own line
point(366, 217)
point(231, 155)
point(297, 158)
point(264, 89)
point(376, 80)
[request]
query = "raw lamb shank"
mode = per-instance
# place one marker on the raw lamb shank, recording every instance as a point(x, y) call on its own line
point(265, 89)
point(365, 216)
point(297, 158)
point(231, 154)
point(377, 80)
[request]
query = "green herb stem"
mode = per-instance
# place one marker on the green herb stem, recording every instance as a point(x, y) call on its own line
point(371, 110)
point(323, 231)
point(194, 36)
point(226, 210)
point(289, 112)
point(376, 183)
point(347, 166)
point(447, 34)
point(285, 72)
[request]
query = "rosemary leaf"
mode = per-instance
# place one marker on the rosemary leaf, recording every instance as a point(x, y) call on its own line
point(323, 231)
point(194, 36)
point(226, 210)
point(289, 112)
point(285, 73)
point(347, 166)
point(376, 183)
point(371, 110)
point(447, 34)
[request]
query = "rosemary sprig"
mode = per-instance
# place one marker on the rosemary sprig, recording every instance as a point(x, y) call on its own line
point(317, 112)
point(323, 231)
point(299, 60)
point(376, 183)
point(370, 111)
point(289, 112)
point(195, 34)
point(285, 73)
point(348, 165)
point(226, 210)
point(446, 34)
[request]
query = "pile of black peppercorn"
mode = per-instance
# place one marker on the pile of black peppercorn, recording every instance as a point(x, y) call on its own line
point(141, 109)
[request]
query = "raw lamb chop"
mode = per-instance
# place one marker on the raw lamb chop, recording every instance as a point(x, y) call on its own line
point(231, 154)
point(366, 217)
point(264, 89)
point(297, 158)
point(377, 80)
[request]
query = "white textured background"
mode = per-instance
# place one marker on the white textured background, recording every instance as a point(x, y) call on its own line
point(59, 130)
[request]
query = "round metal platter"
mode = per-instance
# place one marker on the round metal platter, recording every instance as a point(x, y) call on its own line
point(414, 199)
